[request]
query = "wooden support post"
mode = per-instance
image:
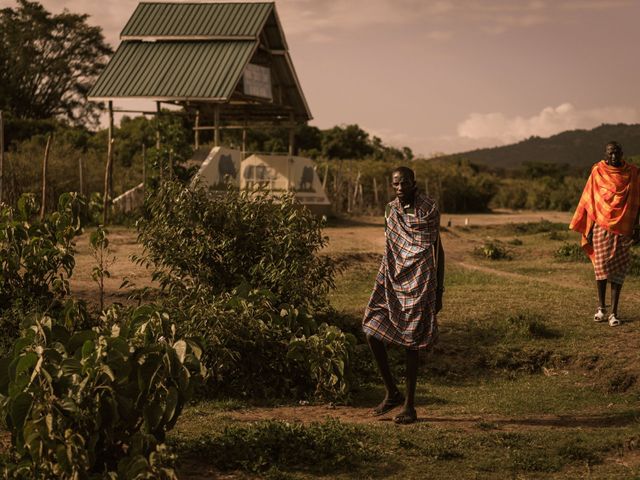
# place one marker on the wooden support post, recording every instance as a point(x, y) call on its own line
point(292, 136)
point(81, 175)
point(244, 138)
point(111, 135)
point(158, 154)
point(107, 199)
point(216, 123)
point(426, 186)
point(197, 132)
point(45, 162)
point(144, 171)
point(1, 155)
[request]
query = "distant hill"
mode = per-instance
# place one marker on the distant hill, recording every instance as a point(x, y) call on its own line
point(578, 148)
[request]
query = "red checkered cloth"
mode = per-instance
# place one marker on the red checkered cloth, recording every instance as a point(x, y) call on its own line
point(611, 255)
point(402, 307)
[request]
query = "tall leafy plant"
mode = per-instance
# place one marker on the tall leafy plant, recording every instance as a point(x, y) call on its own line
point(97, 403)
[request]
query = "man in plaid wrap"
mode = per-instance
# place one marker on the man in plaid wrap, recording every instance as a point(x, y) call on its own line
point(408, 290)
point(607, 218)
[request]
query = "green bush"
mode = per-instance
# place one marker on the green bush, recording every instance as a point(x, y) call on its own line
point(243, 270)
point(493, 251)
point(571, 252)
point(37, 258)
point(96, 403)
point(195, 236)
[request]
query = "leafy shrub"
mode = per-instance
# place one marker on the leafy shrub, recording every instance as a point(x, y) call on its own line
point(37, 258)
point(242, 270)
point(195, 236)
point(97, 402)
point(255, 350)
point(571, 252)
point(326, 357)
point(530, 228)
point(256, 447)
point(493, 251)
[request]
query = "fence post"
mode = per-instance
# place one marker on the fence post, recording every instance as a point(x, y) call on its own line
point(45, 162)
point(1, 154)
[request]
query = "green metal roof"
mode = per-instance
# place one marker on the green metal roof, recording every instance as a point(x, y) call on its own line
point(197, 20)
point(184, 70)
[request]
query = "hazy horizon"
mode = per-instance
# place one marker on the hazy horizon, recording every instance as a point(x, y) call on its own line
point(449, 75)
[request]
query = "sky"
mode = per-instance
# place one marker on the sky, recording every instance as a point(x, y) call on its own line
point(444, 76)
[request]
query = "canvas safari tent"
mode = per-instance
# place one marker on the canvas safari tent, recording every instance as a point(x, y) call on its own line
point(228, 66)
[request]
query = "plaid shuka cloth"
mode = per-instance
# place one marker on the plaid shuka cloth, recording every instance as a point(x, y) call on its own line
point(401, 309)
point(611, 255)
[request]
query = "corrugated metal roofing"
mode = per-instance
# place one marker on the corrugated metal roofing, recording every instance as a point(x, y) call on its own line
point(174, 70)
point(197, 19)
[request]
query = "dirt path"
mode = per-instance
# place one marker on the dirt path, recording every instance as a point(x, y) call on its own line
point(360, 415)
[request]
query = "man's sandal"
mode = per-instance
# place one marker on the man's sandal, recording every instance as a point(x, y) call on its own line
point(406, 417)
point(600, 315)
point(388, 404)
point(614, 321)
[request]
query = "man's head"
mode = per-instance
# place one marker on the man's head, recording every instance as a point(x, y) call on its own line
point(403, 181)
point(613, 154)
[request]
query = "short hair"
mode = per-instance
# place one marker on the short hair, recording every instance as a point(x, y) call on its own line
point(615, 145)
point(406, 171)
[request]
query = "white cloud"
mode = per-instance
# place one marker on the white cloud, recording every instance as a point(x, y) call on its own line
point(551, 120)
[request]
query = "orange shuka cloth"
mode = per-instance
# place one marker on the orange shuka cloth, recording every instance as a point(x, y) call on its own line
point(611, 199)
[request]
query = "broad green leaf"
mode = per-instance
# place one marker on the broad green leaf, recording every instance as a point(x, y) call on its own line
point(20, 407)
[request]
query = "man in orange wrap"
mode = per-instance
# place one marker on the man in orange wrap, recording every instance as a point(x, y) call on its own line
point(607, 218)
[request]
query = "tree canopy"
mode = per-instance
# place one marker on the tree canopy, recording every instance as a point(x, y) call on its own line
point(48, 63)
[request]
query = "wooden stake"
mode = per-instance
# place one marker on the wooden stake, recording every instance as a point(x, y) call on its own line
point(110, 150)
point(81, 175)
point(144, 170)
point(216, 124)
point(197, 132)
point(355, 189)
point(326, 175)
point(45, 163)
point(375, 192)
point(386, 190)
point(1, 154)
point(170, 164)
point(159, 156)
point(292, 136)
point(106, 199)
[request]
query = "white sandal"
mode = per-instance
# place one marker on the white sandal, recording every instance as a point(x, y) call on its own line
point(614, 321)
point(600, 315)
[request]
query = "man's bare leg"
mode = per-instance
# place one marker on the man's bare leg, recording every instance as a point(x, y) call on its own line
point(615, 297)
point(602, 292)
point(393, 396)
point(408, 413)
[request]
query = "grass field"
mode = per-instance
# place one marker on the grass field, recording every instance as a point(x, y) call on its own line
point(522, 383)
